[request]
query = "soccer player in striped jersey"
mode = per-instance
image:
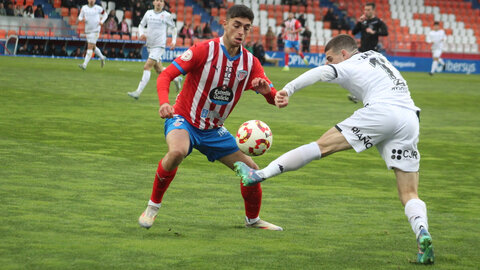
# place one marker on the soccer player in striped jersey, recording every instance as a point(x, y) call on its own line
point(293, 27)
point(157, 21)
point(218, 72)
point(389, 121)
point(94, 17)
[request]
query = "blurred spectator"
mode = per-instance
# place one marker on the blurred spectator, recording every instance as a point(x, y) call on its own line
point(123, 27)
point(329, 16)
point(18, 11)
point(198, 32)
point(334, 22)
point(137, 53)
point(76, 53)
point(131, 55)
point(249, 46)
point(136, 18)
point(111, 24)
point(39, 12)
point(280, 43)
point(52, 51)
point(125, 4)
point(35, 50)
point(105, 52)
point(23, 50)
point(207, 31)
point(301, 19)
point(69, 3)
point(28, 12)
point(3, 11)
point(259, 51)
point(186, 32)
point(112, 53)
point(270, 39)
point(120, 53)
point(63, 51)
point(306, 36)
point(9, 9)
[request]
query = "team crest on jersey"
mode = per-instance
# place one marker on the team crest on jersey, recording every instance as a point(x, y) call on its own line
point(187, 55)
point(241, 74)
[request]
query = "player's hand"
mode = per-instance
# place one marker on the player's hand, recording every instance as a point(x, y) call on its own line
point(166, 111)
point(370, 31)
point(261, 86)
point(142, 37)
point(362, 18)
point(172, 46)
point(281, 99)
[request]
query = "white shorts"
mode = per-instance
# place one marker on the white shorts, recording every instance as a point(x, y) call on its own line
point(92, 37)
point(393, 130)
point(436, 53)
point(156, 53)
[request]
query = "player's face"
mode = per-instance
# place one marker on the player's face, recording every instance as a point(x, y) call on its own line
point(290, 16)
point(91, 2)
point(436, 27)
point(158, 4)
point(368, 11)
point(236, 29)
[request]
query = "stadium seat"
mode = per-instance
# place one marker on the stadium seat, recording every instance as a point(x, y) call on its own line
point(57, 3)
point(11, 32)
point(74, 12)
point(40, 33)
point(64, 12)
point(21, 33)
point(116, 36)
point(125, 37)
point(128, 14)
point(3, 33)
point(31, 33)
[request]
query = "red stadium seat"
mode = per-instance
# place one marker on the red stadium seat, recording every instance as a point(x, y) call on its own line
point(116, 36)
point(11, 32)
point(128, 14)
point(30, 33)
point(57, 3)
point(40, 33)
point(3, 33)
point(125, 37)
point(74, 12)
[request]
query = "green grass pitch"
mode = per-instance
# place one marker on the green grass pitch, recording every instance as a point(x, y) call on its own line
point(78, 156)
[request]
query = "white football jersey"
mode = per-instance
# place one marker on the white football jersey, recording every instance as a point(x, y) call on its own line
point(373, 79)
point(157, 23)
point(92, 16)
point(437, 38)
point(369, 76)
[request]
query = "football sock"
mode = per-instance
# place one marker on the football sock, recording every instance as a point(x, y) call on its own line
point(99, 53)
point(154, 204)
point(301, 55)
point(252, 197)
point(286, 59)
point(440, 60)
point(252, 220)
point(87, 57)
point(162, 181)
point(434, 67)
point(416, 212)
point(292, 160)
point(144, 81)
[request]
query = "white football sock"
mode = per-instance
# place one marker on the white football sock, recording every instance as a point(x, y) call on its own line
point(144, 81)
point(87, 57)
point(434, 66)
point(440, 60)
point(154, 204)
point(292, 160)
point(416, 212)
point(252, 220)
point(99, 53)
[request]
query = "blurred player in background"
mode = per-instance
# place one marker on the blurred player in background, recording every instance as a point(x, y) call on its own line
point(389, 120)
point(370, 27)
point(157, 21)
point(219, 71)
point(437, 36)
point(94, 17)
point(292, 29)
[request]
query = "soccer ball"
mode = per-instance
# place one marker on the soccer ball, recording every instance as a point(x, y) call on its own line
point(254, 138)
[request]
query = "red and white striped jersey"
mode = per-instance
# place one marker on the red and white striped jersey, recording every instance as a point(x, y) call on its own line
point(292, 25)
point(215, 82)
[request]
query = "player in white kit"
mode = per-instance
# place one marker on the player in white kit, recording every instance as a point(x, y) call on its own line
point(94, 17)
point(389, 120)
point(157, 21)
point(437, 36)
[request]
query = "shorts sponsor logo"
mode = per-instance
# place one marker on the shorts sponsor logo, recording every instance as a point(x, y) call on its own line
point(362, 137)
point(178, 122)
point(399, 154)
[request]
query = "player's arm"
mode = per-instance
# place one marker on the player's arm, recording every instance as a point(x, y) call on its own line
point(163, 88)
point(171, 25)
point(141, 28)
point(104, 16)
point(382, 30)
point(81, 16)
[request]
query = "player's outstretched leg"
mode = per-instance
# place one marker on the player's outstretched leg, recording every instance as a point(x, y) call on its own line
point(425, 248)
point(249, 176)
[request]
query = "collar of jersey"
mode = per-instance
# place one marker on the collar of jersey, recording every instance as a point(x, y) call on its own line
point(224, 49)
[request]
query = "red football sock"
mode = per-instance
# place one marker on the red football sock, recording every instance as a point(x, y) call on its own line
point(161, 183)
point(252, 197)
point(301, 55)
point(286, 59)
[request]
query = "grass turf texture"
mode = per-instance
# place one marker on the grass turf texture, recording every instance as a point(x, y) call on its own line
point(78, 156)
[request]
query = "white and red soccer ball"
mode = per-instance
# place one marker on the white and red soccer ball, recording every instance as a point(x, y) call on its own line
point(254, 138)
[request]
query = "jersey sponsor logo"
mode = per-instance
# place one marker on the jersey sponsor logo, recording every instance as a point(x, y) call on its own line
point(399, 154)
point(241, 74)
point(221, 95)
point(187, 55)
point(362, 137)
